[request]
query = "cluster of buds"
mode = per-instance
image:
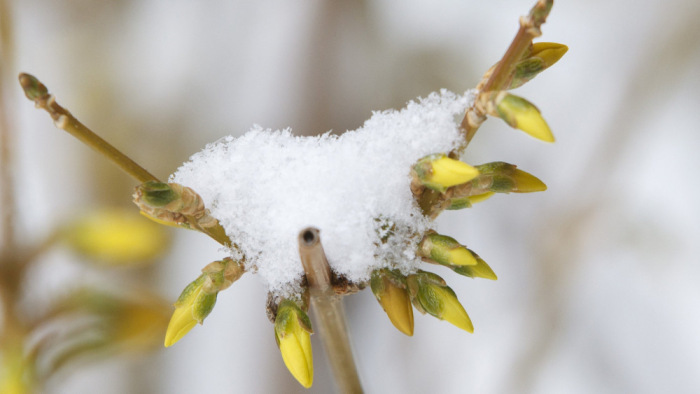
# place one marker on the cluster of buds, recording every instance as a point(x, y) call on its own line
point(439, 182)
point(516, 111)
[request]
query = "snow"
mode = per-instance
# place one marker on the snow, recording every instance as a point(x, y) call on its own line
point(266, 186)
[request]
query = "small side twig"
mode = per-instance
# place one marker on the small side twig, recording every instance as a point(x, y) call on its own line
point(328, 312)
point(64, 120)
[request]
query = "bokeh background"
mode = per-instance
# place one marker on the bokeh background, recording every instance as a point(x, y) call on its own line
point(598, 277)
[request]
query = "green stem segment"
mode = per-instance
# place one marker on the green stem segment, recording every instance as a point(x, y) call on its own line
point(328, 312)
point(37, 92)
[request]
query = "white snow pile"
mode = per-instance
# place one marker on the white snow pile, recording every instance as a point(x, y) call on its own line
point(266, 186)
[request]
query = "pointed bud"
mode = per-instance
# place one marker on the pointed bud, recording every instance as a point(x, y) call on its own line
point(172, 204)
point(527, 183)
point(438, 172)
point(541, 56)
point(480, 270)
point(467, 202)
point(445, 250)
point(549, 52)
point(507, 178)
point(183, 319)
point(197, 300)
point(389, 287)
point(520, 114)
point(293, 335)
point(430, 294)
point(33, 88)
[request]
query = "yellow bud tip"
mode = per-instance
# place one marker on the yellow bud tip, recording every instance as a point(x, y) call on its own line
point(449, 172)
point(549, 52)
point(454, 313)
point(461, 256)
point(480, 197)
point(397, 305)
point(523, 115)
point(295, 347)
point(180, 324)
point(527, 183)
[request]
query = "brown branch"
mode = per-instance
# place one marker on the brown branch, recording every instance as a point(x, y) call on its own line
point(328, 312)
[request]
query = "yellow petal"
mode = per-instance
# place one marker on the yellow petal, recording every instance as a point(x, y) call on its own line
point(295, 347)
point(549, 52)
point(527, 183)
point(397, 305)
point(449, 172)
point(461, 256)
point(523, 115)
point(180, 324)
point(480, 197)
point(452, 311)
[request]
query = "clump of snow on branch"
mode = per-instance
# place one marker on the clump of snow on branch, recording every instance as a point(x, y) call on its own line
point(266, 186)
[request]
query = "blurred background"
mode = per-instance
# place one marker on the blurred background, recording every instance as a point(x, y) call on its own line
point(598, 277)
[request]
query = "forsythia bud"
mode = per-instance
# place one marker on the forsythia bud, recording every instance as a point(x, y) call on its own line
point(445, 250)
point(172, 204)
point(480, 270)
point(430, 294)
point(520, 114)
point(199, 297)
point(507, 178)
point(116, 237)
point(293, 334)
point(541, 56)
point(389, 287)
point(438, 172)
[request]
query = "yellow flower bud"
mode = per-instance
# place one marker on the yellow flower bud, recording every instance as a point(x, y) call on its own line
point(438, 172)
point(522, 114)
point(445, 250)
point(192, 307)
point(116, 237)
point(480, 270)
point(293, 335)
point(527, 183)
point(180, 324)
point(430, 294)
point(549, 52)
point(389, 287)
point(541, 56)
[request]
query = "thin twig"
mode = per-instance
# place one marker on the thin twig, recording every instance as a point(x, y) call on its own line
point(37, 92)
point(328, 312)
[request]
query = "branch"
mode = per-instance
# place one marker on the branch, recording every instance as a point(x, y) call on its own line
point(37, 92)
point(495, 79)
point(328, 311)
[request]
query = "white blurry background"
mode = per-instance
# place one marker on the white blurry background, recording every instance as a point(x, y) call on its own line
point(598, 277)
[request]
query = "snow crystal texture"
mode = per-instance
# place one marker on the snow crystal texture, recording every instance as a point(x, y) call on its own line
point(266, 186)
